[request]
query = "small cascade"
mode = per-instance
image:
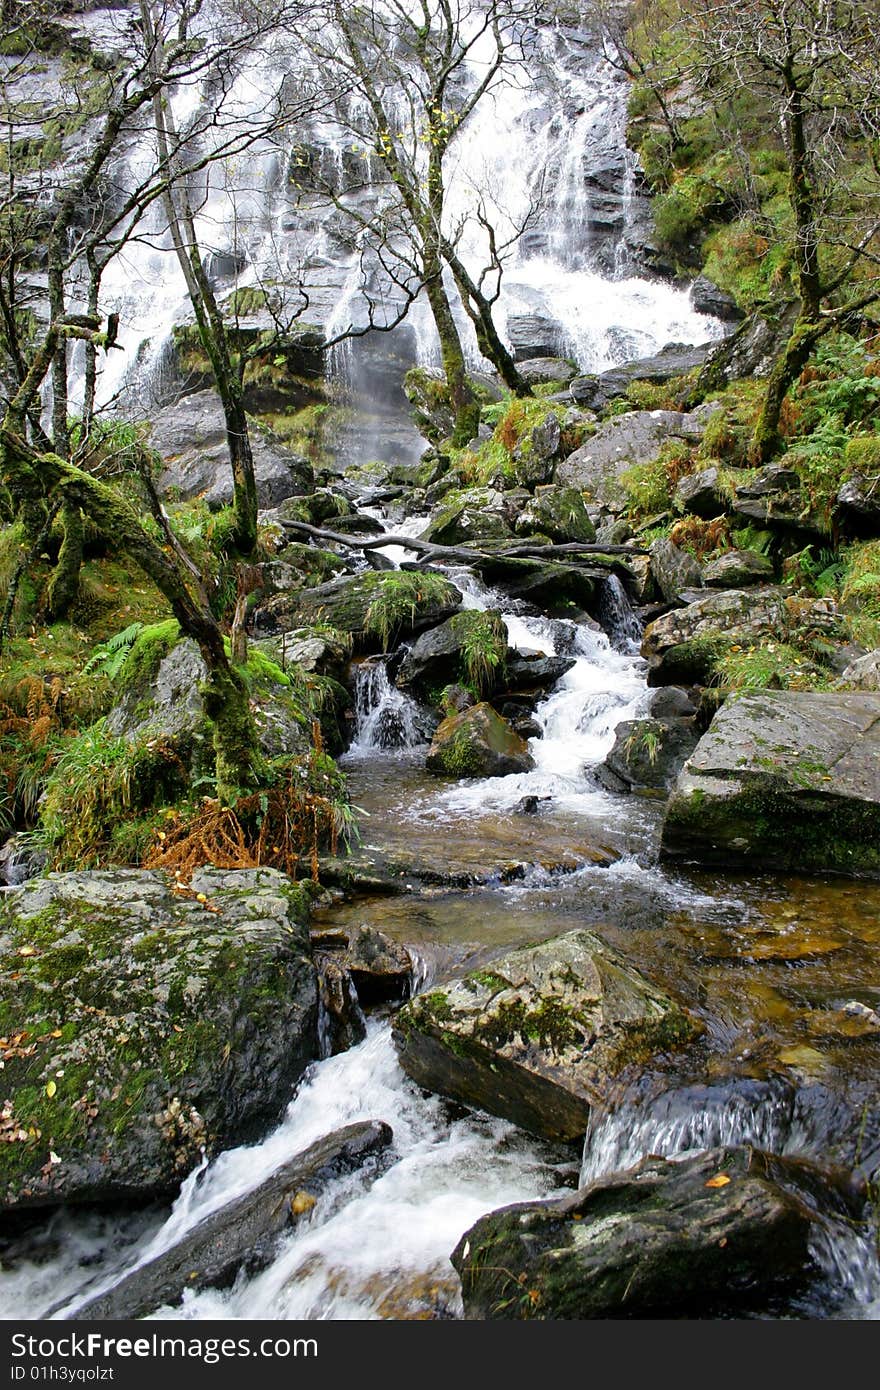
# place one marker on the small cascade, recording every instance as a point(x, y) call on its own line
point(616, 615)
point(386, 717)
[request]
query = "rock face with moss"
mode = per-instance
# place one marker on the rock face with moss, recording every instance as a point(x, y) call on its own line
point(190, 436)
point(163, 698)
point(145, 1024)
point(682, 646)
point(726, 1232)
point(477, 742)
point(783, 779)
point(557, 512)
point(539, 1035)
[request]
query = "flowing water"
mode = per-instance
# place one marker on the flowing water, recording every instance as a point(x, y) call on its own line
point(775, 1067)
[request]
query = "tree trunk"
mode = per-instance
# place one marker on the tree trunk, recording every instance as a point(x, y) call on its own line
point(479, 311)
point(786, 369)
point(64, 585)
point(466, 407)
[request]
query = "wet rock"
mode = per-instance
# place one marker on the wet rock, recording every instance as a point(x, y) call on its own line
point(671, 702)
point(535, 673)
point(242, 1236)
point(343, 1023)
point(313, 652)
point(621, 443)
point(725, 1232)
point(557, 512)
point(530, 805)
point(477, 743)
point(736, 569)
point(378, 609)
point(155, 1025)
point(648, 754)
point(707, 298)
point(783, 779)
point(380, 969)
point(19, 861)
point(751, 350)
point(475, 514)
point(539, 1035)
point(444, 655)
point(700, 494)
point(858, 507)
point(562, 591)
point(534, 335)
point(863, 673)
point(190, 437)
point(675, 571)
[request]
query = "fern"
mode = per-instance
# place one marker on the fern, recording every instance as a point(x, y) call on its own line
point(109, 657)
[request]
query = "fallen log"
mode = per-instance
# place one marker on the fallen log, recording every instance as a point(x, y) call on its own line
point(429, 550)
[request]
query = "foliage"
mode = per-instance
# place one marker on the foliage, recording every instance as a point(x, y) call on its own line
point(109, 657)
point(649, 486)
point(396, 599)
point(302, 808)
point(483, 647)
point(701, 537)
point(768, 666)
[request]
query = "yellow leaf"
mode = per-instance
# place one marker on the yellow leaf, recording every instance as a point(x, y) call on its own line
point(201, 897)
point(51, 1088)
point(26, 950)
point(719, 1180)
point(302, 1202)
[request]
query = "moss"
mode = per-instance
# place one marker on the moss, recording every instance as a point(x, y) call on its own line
point(483, 638)
point(147, 653)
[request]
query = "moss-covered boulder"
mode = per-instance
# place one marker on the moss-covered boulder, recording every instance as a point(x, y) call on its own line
point(469, 648)
point(557, 512)
point(539, 1035)
point(162, 699)
point(783, 779)
point(378, 609)
point(682, 647)
point(737, 569)
point(144, 1023)
point(464, 517)
point(477, 742)
point(728, 1231)
point(562, 591)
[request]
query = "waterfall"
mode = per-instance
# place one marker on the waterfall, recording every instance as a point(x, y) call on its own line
point(386, 718)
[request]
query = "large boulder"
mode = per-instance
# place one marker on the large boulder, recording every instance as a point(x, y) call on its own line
point(476, 514)
point(534, 334)
point(700, 494)
point(775, 500)
point(675, 570)
point(736, 569)
point(477, 742)
point(145, 1023)
point(190, 437)
point(863, 673)
point(539, 1036)
point(541, 370)
point(648, 754)
point(378, 608)
point(164, 702)
point(673, 360)
point(244, 1234)
point(707, 298)
point(621, 443)
point(728, 1231)
point(783, 779)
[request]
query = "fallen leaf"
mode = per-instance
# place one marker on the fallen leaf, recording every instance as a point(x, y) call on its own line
point(51, 1088)
point(27, 950)
point(719, 1180)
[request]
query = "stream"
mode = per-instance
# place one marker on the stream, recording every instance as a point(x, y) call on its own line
point(381, 1250)
point(763, 960)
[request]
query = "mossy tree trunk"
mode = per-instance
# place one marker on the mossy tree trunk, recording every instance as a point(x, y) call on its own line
point(64, 584)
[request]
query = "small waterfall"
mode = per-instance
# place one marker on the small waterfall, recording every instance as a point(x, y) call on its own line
point(616, 615)
point(386, 717)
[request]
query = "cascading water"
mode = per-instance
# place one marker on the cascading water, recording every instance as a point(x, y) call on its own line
point(385, 717)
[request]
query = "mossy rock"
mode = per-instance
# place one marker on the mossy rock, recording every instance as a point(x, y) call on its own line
point(477, 742)
point(540, 1035)
point(146, 1024)
point(470, 648)
point(559, 513)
